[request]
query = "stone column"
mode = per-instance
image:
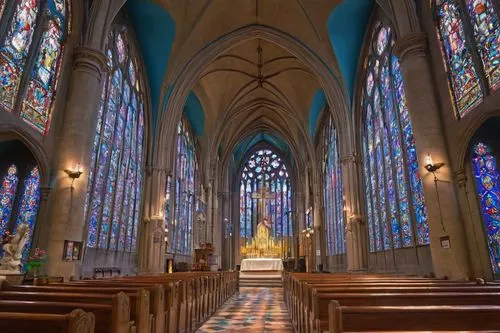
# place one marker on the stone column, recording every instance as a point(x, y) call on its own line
point(42, 227)
point(66, 209)
point(441, 199)
point(480, 266)
point(356, 234)
point(319, 248)
point(299, 218)
point(151, 254)
point(227, 237)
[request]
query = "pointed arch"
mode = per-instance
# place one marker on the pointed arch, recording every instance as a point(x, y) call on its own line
point(396, 212)
point(31, 49)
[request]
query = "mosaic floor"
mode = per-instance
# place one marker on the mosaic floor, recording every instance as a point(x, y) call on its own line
point(253, 310)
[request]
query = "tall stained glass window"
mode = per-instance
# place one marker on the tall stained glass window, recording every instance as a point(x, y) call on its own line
point(265, 168)
point(485, 170)
point(333, 193)
point(31, 48)
point(182, 190)
point(115, 179)
point(397, 216)
point(19, 199)
point(469, 32)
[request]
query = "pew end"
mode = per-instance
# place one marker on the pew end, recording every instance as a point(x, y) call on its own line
point(334, 317)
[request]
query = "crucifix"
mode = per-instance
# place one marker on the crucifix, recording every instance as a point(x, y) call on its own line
point(263, 195)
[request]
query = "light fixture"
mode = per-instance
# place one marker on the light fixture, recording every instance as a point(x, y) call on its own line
point(430, 165)
point(74, 174)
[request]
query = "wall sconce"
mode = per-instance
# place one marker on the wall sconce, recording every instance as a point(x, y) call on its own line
point(433, 167)
point(308, 232)
point(430, 165)
point(74, 174)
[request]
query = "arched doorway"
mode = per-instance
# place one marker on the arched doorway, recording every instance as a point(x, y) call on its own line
point(483, 157)
point(19, 189)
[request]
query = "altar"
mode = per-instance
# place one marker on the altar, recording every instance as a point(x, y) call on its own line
point(261, 265)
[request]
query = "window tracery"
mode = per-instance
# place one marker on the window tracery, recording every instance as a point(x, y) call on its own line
point(265, 168)
point(31, 49)
point(333, 192)
point(469, 34)
point(397, 216)
point(115, 179)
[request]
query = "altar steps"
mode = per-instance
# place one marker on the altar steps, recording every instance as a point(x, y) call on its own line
point(260, 282)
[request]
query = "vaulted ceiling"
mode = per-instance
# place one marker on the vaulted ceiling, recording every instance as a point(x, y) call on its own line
point(257, 89)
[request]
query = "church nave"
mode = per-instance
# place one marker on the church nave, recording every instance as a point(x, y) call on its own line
point(251, 310)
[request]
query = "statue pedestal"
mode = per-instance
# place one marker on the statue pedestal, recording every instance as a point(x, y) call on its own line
point(13, 278)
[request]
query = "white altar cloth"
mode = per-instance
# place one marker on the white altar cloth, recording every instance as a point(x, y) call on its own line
point(261, 264)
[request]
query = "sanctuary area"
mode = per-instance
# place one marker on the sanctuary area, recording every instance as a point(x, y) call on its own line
point(281, 166)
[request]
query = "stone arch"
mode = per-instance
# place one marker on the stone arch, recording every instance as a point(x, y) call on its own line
point(186, 76)
point(11, 131)
point(479, 118)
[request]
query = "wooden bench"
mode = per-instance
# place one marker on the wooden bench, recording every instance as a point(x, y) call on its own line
point(319, 315)
point(308, 296)
point(139, 302)
point(77, 321)
point(108, 318)
point(412, 318)
point(157, 302)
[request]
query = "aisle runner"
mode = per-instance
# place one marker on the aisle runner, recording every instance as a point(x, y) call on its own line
point(253, 310)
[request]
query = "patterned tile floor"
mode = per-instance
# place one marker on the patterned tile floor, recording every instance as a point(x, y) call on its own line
point(255, 310)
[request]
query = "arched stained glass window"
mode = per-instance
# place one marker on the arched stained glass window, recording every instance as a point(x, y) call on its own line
point(19, 200)
point(469, 32)
point(266, 169)
point(7, 196)
point(181, 229)
point(488, 189)
point(31, 48)
point(333, 193)
point(30, 202)
point(115, 179)
point(397, 216)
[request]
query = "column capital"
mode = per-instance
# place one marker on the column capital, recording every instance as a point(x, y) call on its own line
point(91, 61)
point(354, 158)
point(410, 45)
point(460, 177)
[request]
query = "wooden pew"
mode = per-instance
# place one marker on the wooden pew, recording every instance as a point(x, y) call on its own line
point(157, 300)
point(305, 299)
point(412, 318)
point(108, 318)
point(77, 321)
point(139, 302)
point(200, 293)
point(319, 315)
point(298, 291)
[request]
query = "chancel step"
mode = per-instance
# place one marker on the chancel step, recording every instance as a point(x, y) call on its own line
point(264, 281)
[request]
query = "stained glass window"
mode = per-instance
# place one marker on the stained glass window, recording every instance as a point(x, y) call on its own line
point(467, 28)
point(265, 168)
point(7, 196)
point(115, 178)
point(30, 57)
point(30, 202)
point(488, 189)
point(333, 193)
point(397, 216)
point(181, 229)
point(19, 200)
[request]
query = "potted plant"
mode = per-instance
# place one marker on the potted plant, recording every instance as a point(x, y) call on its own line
point(35, 263)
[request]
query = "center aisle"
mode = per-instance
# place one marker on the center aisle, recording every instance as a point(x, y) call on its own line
point(253, 310)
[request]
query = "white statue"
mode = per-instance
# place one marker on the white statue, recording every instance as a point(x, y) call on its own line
point(13, 250)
